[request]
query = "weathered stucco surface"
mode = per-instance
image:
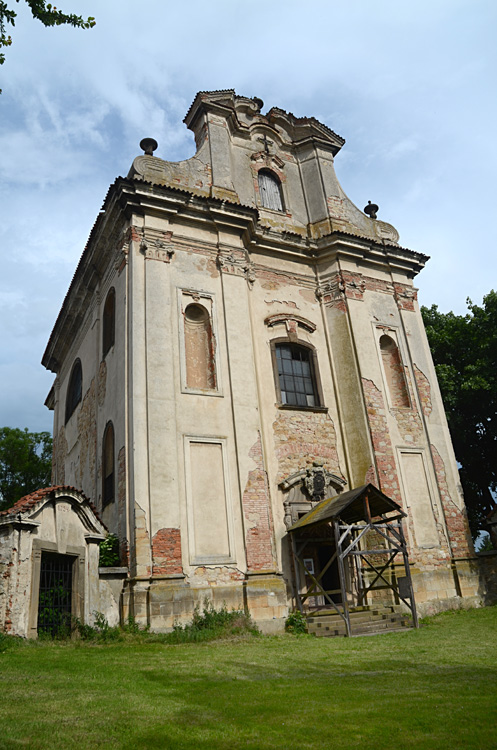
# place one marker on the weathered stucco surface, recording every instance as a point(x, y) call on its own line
point(318, 274)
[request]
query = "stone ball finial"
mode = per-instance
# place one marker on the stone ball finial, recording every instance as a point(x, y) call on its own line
point(371, 210)
point(258, 102)
point(149, 145)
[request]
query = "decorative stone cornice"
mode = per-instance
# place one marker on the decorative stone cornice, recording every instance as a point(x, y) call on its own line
point(236, 263)
point(158, 248)
point(289, 318)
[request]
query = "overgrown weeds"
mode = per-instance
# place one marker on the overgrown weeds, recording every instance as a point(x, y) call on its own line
point(102, 632)
point(211, 624)
point(207, 624)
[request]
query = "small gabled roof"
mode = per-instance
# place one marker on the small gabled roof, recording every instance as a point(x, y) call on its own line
point(350, 507)
point(29, 504)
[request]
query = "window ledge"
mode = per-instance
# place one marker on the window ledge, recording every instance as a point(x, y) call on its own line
point(293, 407)
point(202, 392)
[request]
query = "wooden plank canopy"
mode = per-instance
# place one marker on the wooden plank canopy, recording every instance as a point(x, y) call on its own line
point(355, 505)
point(352, 515)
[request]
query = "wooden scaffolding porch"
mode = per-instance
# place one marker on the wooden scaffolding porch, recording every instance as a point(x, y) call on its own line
point(363, 529)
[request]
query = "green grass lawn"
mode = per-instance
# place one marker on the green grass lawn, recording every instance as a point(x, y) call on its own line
point(431, 688)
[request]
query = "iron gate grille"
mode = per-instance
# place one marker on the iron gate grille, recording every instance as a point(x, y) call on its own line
point(54, 604)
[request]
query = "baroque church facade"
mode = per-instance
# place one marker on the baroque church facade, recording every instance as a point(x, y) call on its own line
point(239, 341)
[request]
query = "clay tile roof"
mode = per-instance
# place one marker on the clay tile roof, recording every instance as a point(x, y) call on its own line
point(28, 502)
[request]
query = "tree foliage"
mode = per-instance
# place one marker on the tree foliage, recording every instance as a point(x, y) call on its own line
point(464, 349)
point(48, 14)
point(25, 463)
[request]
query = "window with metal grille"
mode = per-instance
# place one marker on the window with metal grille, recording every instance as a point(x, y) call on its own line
point(109, 322)
point(270, 190)
point(74, 390)
point(296, 375)
point(55, 595)
point(108, 484)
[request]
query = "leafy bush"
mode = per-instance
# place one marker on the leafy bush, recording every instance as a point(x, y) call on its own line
point(211, 624)
point(296, 623)
point(109, 552)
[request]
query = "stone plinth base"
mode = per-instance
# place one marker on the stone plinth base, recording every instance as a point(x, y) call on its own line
point(110, 587)
point(266, 600)
point(452, 586)
point(487, 564)
point(166, 601)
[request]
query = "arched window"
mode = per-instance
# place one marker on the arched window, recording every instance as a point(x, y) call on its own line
point(74, 390)
point(394, 372)
point(109, 322)
point(108, 465)
point(199, 349)
point(296, 375)
point(270, 190)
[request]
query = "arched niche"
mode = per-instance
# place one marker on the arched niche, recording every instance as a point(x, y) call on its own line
point(199, 348)
point(394, 372)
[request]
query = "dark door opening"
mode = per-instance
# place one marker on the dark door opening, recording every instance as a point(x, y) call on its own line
point(316, 558)
point(55, 598)
point(331, 578)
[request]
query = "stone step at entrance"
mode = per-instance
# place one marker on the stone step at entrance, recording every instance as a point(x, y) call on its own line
point(363, 621)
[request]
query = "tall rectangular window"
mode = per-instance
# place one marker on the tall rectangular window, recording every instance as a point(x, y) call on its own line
point(296, 375)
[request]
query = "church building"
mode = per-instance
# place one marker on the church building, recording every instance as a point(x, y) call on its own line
point(240, 344)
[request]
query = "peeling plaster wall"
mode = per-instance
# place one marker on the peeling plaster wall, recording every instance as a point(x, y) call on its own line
point(8, 553)
point(257, 511)
point(400, 435)
point(77, 455)
point(319, 273)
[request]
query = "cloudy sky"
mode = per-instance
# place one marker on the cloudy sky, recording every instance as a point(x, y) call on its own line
point(411, 86)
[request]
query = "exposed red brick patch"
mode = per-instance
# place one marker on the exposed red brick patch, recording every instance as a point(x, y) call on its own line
point(405, 296)
point(301, 437)
point(378, 285)
point(455, 518)
point(166, 552)
point(371, 477)
point(337, 303)
point(87, 430)
point(133, 234)
point(257, 513)
point(424, 391)
point(394, 372)
point(382, 445)
point(352, 284)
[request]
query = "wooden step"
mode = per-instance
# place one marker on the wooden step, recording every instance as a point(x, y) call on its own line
point(362, 622)
point(355, 617)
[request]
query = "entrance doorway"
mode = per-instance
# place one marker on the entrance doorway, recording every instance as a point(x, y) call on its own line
point(316, 557)
point(55, 597)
